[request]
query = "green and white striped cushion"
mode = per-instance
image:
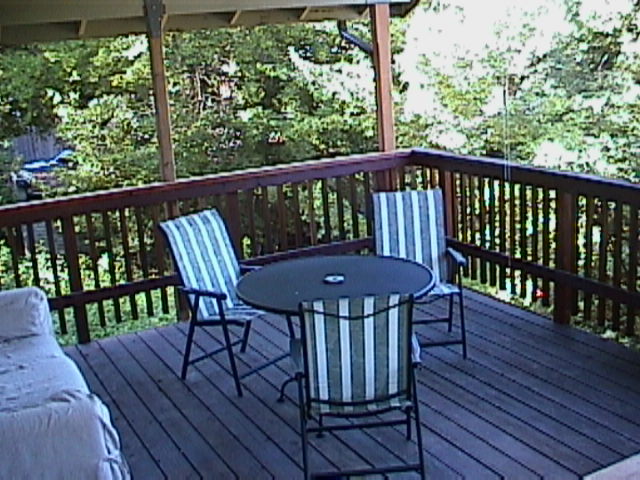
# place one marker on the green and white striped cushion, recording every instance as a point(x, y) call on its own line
point(410, 225)
point(358, 350)
point(205, 259)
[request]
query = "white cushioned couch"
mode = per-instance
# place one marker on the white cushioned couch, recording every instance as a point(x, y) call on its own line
point(51, 426)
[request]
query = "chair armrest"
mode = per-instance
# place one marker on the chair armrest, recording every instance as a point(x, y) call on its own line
point(203, 293)
point(457, 257)
point(24, 312)
point(244, 268)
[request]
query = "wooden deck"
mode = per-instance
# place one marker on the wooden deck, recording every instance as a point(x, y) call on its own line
point(533, 400)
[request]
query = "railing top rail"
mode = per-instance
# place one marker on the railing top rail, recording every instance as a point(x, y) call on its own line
point(578, 183)
point(219, 183)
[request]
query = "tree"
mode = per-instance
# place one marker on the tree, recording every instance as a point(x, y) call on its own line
point(233, 105)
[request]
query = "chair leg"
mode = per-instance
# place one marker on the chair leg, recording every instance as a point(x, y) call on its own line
point(408, 414)
point(245, 336)
point(320, 432)
point(416, 409)
point(283, 387)
point(292, 333)
point(232, 359)
point(303, 429)
point(187, 348)
point(450, 318)
point(463, 330)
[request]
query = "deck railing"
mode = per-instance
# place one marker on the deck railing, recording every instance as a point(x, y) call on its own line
point(564, 240)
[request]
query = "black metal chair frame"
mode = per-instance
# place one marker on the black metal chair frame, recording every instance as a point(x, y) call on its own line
point(223, 323)
point(457, 261)
point(305, 401)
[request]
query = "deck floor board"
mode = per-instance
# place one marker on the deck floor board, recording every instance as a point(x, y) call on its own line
point(533, 400)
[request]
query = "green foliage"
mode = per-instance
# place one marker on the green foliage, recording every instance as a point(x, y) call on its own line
point(233, 105)
point(573, 105)
point(45, 278)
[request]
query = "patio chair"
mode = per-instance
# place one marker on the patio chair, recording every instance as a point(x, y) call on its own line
point(355, 360)
point(209, 270)
point(410, 225)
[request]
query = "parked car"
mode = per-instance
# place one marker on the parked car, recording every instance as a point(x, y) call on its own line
point(63, 159)
point(35, 172)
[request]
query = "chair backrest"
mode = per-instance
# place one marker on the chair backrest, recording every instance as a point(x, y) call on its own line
point(357, 351)
point(410, 225)
point(204, 257)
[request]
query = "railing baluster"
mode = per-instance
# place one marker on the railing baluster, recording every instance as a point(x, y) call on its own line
point(588, 259)
point(75, 277)
point(546, 244)
point(142, 255)
point(295, 199)
point(251, 216)
point(159, 253)
point(492, 228)
point(342, 234)
point(266, 220)
point(31, 246)
point(502, 225)
point(535, 239)
point(464, 209)
point(106, 224)
point(313, 234)
point(93, 255)
point(482, 238)
point(473, 224)
point(126, 253)
point(617, 261)
point(353, 200)
point(632, 274)
point(368, 202)
point(602, 258)
point(512, 234)
point(232, 218)
point(53, 259)
point(282, 219)
point(16, 248)
point(565, 250)
point(524, 251)
point(326, 213)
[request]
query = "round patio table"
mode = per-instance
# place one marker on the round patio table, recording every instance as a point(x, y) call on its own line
point(279, 287)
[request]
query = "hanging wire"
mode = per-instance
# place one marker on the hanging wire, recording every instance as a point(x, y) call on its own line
point(506, 130)
point(506, 170)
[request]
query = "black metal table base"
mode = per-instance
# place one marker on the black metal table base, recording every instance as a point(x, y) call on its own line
point(264, 365)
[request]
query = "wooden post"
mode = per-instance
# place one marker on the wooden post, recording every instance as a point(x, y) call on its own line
point(83, 332)
point(448, 186)
point(384, 85)
point(155, 16)
point(232, 217)
point(564, 294)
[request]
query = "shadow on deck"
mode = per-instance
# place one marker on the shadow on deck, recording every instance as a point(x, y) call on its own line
point(533, 400)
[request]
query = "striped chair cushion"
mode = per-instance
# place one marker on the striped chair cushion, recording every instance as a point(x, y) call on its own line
point(357, 351)
point(410, 225)
point(205, 259)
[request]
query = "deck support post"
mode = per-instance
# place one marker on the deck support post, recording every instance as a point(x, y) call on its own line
point(155, 13)
point(564, 298)
point(380, 16)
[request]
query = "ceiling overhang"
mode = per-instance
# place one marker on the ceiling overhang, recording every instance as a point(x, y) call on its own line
point(28, 21)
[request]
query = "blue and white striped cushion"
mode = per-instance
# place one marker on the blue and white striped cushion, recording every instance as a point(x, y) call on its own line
point(205, 260)
point(410, 225)
point(358, 350)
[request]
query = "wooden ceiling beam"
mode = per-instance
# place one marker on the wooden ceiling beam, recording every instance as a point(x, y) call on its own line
point(305, 14)
point(29, 12)
point(82, 26)
point(235, 18)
